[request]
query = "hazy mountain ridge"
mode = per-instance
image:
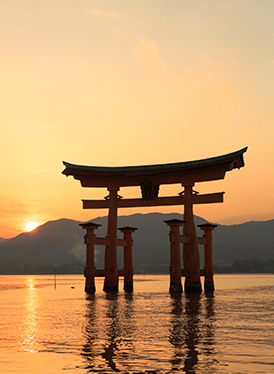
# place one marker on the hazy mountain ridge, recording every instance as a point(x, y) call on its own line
point(61, 242)
point(254, 239)
point(55, 242)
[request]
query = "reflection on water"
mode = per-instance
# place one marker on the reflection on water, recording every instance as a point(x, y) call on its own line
point(191, 333)
point(113, 342)
point(176, 337)
point(148, 331)
point(30, 318)
point(209, 341)
point(90, 332)
point(111, 332)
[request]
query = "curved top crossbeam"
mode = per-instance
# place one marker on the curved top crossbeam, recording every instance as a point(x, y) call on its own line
point(181, 172)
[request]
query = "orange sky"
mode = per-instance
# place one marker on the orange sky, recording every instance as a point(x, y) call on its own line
point(128, 83)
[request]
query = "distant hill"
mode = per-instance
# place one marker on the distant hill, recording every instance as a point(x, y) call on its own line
point(55, 242)
point(61, 242)
point(247, 240)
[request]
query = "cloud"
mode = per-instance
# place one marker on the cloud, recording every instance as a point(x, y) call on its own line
point(78, 251)
point(204, 58)
point(104, 14)
point(148, 53)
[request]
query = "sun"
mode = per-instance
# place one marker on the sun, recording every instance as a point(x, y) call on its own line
point(31, 225)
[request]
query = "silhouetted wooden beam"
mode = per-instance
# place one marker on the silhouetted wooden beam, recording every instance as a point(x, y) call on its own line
point(202, 240)
point(105, 241)
point(185, 239)
point(209, 198)
point(202, 272)
point(160, 201)
point(102, 272)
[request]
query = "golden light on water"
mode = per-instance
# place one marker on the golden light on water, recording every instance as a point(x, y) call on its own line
point(147, 330)
point(30, 319)
point(31, 285)
point(31, 225)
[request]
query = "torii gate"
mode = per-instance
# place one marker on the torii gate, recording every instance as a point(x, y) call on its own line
point(149, 178)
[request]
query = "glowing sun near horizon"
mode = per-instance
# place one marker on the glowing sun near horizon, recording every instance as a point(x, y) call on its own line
point(31, 225)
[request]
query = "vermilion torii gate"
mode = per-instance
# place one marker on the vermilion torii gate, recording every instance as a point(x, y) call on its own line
point(149, 178)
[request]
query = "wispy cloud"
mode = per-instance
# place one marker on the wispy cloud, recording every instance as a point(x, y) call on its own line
point(205, 59)
point(148, 53)
point(103, 13)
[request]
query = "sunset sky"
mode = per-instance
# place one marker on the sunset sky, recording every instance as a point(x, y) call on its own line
point(113, 83)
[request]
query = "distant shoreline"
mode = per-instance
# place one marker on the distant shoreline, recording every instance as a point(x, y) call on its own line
point(137, 273)
point(243, 266)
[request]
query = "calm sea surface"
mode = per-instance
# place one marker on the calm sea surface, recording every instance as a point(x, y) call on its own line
point(48, 330)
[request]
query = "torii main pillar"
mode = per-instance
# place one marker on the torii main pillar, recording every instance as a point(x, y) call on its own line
point(112, 277)
point(191, 258)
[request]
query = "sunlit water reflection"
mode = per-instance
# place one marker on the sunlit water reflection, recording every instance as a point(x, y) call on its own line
point(48, 330)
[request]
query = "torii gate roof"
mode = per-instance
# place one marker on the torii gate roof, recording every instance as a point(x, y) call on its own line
point(181, 172)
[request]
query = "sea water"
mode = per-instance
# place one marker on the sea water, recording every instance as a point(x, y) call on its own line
point(48, 329)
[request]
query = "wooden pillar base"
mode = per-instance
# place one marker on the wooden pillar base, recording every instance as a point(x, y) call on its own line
point(128, 287)
point(90, 289)
point(176, 288)
point(193, 288)
point(209, 287)
point(110, 288)
point(90, 284)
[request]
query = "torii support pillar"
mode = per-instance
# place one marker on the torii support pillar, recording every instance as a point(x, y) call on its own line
point(112, 277)
point(128, 268)
point(191, 257)
point(208, 263)
point(90, 268)
point(175, 255)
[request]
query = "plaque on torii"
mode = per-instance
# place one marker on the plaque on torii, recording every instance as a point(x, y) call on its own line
point(150, 178)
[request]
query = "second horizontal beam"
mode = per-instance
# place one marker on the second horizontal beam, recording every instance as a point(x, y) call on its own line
point(159, 201)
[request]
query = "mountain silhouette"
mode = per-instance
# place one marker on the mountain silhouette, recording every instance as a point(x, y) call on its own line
point(61, 242)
